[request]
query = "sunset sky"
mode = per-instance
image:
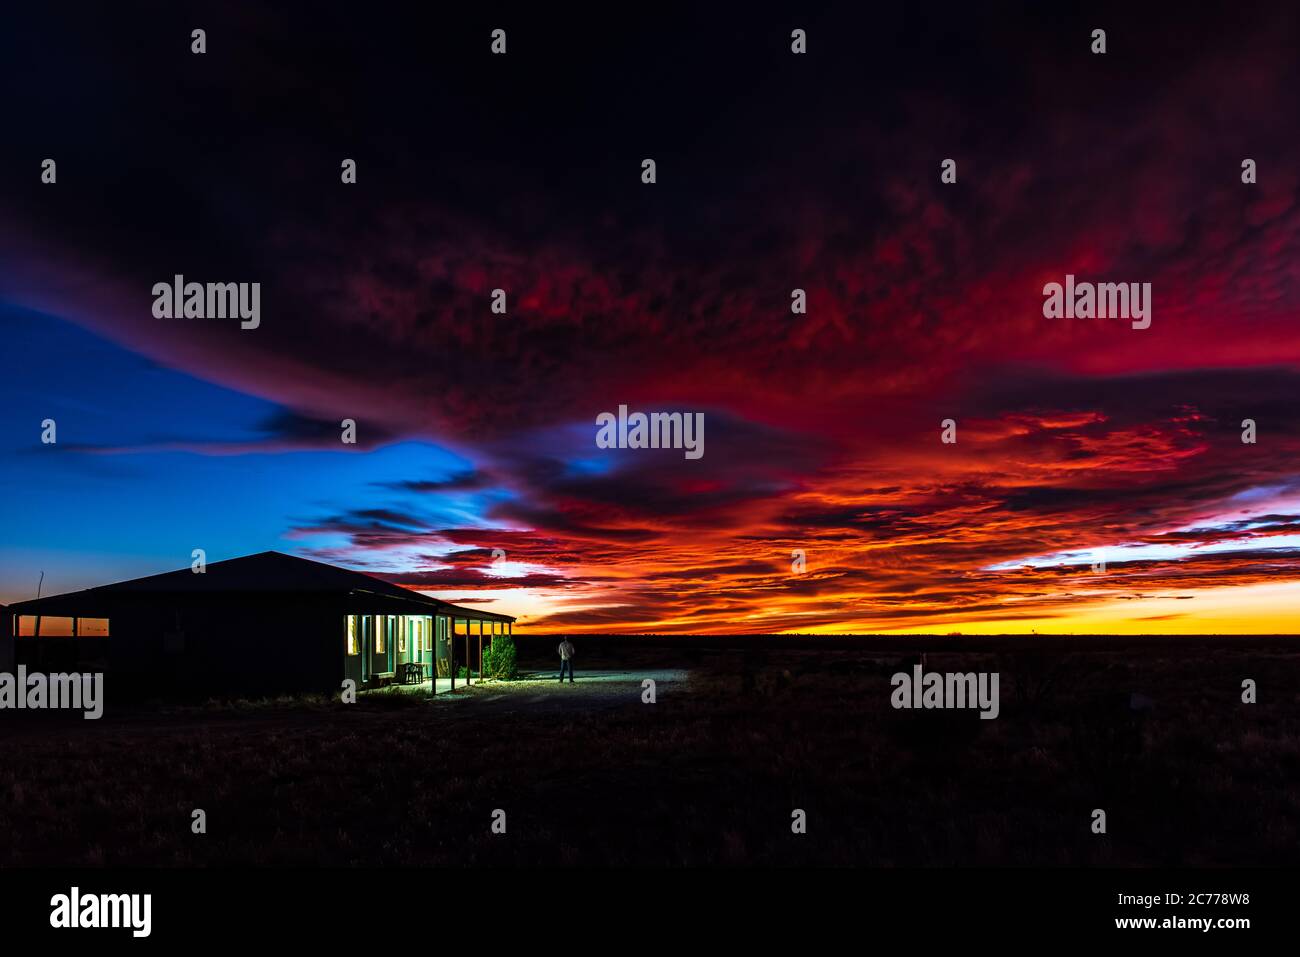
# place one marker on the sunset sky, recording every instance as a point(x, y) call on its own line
point(1078, 440)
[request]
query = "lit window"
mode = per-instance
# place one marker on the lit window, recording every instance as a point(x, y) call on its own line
point(352, 635)
point(379, 634)
point(401, 635)
point(51, 626)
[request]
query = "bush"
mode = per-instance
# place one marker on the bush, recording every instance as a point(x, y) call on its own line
point(499, 660)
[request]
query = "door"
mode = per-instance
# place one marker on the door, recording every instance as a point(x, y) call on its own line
point(443, 651)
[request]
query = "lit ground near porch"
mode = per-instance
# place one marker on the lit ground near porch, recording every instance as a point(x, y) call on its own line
point(602, 687)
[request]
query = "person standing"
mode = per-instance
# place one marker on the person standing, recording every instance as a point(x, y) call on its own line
point(566, 659)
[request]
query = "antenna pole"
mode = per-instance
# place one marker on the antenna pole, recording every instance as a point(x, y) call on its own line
point(36, 632)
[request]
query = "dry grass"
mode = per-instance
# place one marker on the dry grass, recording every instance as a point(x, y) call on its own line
point(708, 775)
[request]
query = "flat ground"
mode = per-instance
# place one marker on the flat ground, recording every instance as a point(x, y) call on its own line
point(741, 735)
point(536, 690)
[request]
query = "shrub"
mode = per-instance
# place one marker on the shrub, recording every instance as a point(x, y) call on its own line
point(499, 660)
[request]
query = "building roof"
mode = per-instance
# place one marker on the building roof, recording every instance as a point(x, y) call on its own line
point(265, 572)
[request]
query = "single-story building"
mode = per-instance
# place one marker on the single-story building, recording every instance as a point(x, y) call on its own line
point(262, 623)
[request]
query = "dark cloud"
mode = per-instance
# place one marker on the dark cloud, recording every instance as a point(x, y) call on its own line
point(467, 481)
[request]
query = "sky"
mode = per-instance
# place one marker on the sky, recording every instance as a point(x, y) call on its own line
point(476, 475)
